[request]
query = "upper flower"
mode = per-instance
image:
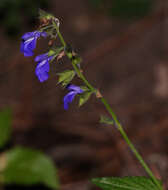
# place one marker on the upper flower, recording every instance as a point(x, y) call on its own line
point(28, 43)
point(43, 66)
point(74, 90)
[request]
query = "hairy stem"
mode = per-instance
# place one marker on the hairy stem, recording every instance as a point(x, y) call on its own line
point(109, 109)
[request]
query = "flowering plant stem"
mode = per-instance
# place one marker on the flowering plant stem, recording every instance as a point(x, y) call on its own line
point(109, 109)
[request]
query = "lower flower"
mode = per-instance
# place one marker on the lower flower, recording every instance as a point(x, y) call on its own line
point(74, 90)
point(43, 66)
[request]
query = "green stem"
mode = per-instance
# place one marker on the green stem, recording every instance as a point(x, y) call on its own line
point(59, 34)
point(73, 64)
point(81, 76)
point(138, 156)
point(128, 141)
point(117, 123)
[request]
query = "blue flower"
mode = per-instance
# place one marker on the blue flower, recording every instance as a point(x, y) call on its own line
point(29, 40)
point(74, 90)
point(43, 66)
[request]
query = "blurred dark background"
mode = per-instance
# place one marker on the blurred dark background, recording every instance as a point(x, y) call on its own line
point(124, 48)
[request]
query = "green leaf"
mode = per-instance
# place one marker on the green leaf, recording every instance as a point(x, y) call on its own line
point(27, 167)
point(5, 126)
point(106, 120)
point(84, 97)
point(66, 77)
point(125, 183)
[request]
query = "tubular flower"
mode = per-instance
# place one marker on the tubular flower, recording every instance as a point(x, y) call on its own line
point(29, 40)
point(43, 66)
point(74, 90)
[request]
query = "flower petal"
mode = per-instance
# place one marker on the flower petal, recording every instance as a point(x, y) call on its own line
point(28, 53)
point(41, 57)
point(68, 99)
point(31, 44)
point(44, 34)
point(42, 76)
point(42, 70)
point(25, 50)
point(22, 47)
point(29, 40)
point(28, 47)
point(75, 88)
point(28, 35)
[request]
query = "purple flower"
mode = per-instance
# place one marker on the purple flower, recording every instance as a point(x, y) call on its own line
point(29, 40)
point(43, 66)
point(74, 90)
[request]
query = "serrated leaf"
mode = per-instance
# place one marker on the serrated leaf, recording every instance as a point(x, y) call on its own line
point(106, 120)
point(27, 167)
point(5, 126)
point(66, 77)
point(125, 183)
point(83, 98)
